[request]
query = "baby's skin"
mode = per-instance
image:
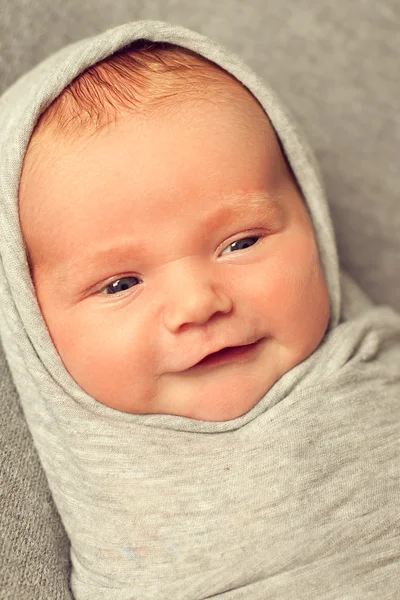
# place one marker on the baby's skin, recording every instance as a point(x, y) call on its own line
point(162, 240)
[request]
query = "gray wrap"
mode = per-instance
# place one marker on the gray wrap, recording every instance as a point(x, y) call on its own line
point(298, 498)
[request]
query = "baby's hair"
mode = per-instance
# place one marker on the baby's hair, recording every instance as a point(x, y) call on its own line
point(140, 77)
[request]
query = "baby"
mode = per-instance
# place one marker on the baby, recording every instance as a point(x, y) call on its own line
point(173, 257)
point(215, 405)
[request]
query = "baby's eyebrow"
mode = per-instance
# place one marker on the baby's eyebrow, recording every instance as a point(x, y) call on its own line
point(240, 200)
point(259, 201)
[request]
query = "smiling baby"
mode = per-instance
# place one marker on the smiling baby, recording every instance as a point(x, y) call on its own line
point(172, 255)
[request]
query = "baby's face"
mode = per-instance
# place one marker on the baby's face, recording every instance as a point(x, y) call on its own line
point(163, 240)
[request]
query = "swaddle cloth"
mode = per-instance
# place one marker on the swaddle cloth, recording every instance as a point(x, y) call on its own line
point(296, 499)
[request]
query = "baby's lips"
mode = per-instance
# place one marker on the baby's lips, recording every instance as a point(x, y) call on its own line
point(221, 352)
point(188, 364)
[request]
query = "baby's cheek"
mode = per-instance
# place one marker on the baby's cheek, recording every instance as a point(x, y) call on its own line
point(270, 287)
point(304, 302)
point(110, 360)
point(292, 293)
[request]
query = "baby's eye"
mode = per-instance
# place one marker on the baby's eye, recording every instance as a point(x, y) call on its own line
point(242, 244)
point(120, 285)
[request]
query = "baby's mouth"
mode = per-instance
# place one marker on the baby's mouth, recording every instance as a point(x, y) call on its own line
point(228, 354)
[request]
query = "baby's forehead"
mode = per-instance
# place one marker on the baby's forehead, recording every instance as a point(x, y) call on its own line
point(143, 80)
point(49, 148)
point(49, 136)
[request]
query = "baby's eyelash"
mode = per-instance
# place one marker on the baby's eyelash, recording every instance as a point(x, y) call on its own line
point(247, 237)
point(113, 285)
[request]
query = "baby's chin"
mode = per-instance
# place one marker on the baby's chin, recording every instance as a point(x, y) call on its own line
point(219, 412)
point(218, 401)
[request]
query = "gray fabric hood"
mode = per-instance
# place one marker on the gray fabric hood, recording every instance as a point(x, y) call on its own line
point(295, 499)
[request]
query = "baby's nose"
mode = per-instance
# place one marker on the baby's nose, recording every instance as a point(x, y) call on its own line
point(194, 300)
